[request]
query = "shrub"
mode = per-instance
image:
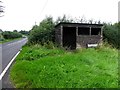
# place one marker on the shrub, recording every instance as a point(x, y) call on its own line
point(11, 35)
point(42, 33)
point(111, 34)
point(1, 39)
point(49, 45)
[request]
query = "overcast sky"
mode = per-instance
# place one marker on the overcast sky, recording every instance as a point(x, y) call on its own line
point(22, 14)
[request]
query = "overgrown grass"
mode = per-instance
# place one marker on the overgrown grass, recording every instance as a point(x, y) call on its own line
point(38, 67)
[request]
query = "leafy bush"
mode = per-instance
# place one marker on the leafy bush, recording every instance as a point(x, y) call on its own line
point(1, 39)
point(11, 35)
point(111, 33)
point(42, 33)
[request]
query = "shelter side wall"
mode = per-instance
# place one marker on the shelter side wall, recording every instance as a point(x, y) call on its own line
point(58, 35)
point(83, 41)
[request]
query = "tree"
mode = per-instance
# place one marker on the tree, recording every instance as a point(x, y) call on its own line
point(11, 35)
point(82, 20)
point(15, 31)
point(44, 32)
point(111, 34)
point(64, 19)
point(1, 31)
point(1, 37)
point(24, 32)
point(1, 9)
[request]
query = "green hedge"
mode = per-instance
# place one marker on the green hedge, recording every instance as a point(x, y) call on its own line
point(111, 33)
point(11, 35)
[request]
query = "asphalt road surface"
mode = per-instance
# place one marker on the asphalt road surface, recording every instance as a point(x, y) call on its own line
point(7, 52)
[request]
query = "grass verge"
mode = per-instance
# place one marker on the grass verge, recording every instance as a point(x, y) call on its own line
point(38, 67)
point(9, 40)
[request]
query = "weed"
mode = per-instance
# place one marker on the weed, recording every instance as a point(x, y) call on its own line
point(39, 67)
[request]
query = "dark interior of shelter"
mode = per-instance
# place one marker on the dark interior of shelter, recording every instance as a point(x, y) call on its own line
point(83, 31)
point(95, 31)
point(69, 37)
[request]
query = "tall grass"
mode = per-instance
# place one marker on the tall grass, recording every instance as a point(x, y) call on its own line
point(38, 67)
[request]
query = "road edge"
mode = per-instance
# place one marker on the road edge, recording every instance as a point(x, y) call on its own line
point(8, 66)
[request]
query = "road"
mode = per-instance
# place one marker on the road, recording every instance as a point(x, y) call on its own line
point(7, 52)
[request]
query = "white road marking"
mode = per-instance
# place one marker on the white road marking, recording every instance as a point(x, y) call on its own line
point(4, 71)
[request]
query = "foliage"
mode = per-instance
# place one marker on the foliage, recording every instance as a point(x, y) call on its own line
point(64, 19)
point(34, 52)
point(23, 32)
point(39, 67)
point(1, 37)
point(1, 9)
point(11, 35)
point(15, 31)
point(112, 34)
point(82, 19)
point(42, 33)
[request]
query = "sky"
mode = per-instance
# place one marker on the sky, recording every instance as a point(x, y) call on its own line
point(22, 14)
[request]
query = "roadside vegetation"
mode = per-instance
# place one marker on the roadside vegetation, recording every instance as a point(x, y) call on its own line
point(11, 35)
point(44, 32)
point(8, 36)
point(9, 40)
point(41, 64)
point(39, 67)
point(111, 34)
